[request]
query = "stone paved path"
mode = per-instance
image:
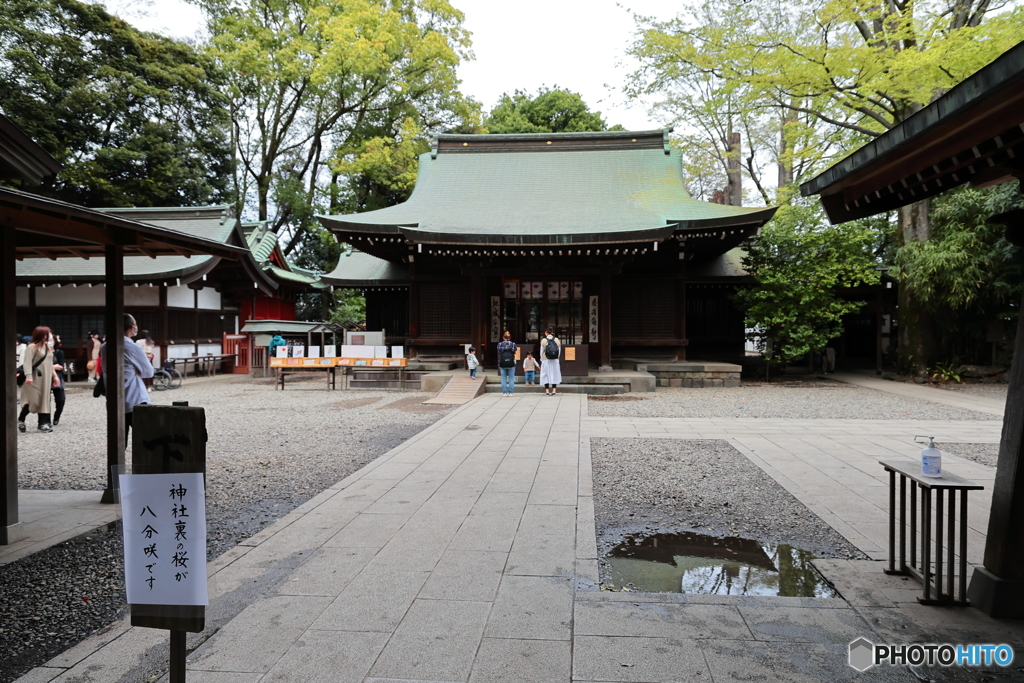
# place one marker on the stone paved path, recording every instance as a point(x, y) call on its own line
point(469, 554)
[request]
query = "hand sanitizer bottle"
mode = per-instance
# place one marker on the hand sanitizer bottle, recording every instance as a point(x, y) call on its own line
point(931, 459)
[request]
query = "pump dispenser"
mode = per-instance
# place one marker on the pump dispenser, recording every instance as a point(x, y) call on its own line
point(931, 459)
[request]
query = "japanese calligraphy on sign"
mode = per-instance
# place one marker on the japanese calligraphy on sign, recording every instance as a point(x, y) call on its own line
point(592, 318)
point(164, 538)
point(495, 318)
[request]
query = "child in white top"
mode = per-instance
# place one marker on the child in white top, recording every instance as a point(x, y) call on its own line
point(471, 362)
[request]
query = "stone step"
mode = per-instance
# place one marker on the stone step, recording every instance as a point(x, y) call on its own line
point(590, 389)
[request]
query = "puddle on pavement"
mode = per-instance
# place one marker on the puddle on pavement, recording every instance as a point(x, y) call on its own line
point(695, 563)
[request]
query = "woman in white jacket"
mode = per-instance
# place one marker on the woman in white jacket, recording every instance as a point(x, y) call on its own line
point(550, 369)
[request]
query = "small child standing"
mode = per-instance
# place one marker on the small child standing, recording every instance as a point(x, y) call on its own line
point(530, 367)
point(471, 362)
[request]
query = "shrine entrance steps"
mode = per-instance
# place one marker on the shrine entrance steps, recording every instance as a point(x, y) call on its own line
point(494, 387)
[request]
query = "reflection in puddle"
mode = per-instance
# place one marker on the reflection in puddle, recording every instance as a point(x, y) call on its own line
point(695, 563)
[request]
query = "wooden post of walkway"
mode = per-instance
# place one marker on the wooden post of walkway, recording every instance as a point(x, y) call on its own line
point(10, 528)
point(113, 375)
point(998, 588)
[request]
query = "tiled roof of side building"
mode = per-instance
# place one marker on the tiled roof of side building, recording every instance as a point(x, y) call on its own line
point(578, 191)
point(210, 222)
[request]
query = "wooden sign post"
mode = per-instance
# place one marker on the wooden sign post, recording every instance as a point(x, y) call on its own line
point(165, 524)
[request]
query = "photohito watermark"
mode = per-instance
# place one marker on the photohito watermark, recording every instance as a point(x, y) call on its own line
point(864, 654)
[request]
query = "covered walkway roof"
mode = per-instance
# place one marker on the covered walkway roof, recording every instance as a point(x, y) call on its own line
point(972, 134)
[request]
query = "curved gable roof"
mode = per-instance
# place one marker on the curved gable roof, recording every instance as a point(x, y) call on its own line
point(544, 188)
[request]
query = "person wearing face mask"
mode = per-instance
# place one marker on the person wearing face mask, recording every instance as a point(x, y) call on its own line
point(39, 378)
point(59, 369)
point(136, 368)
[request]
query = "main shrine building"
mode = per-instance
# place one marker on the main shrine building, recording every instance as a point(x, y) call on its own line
point(593, 234)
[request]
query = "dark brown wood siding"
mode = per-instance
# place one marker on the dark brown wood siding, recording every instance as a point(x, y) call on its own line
point(444, 310)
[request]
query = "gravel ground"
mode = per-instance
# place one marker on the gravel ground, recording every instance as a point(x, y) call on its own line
point(997, 390)
point(982, 453)
point(269, 451)
point(653, 486)
point(822, 399)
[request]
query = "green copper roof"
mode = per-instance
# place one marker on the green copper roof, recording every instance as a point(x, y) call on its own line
point(356, 269)
point(585, 188)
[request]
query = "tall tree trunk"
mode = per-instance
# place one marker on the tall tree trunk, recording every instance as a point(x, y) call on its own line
point(916, 333)
point(785, 160)
point(734, 187)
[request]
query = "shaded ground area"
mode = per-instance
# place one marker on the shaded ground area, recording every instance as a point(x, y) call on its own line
point(58, 596)
point(798, 399)
point(269, 452)
point(667, 485)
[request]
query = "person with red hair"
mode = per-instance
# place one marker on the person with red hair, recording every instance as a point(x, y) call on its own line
point(40, 377)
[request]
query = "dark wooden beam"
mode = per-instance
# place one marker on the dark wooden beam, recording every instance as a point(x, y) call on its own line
point(113, 375)
point(604, 319)
point(10, 528)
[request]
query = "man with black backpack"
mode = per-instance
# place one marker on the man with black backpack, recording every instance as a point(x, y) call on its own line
point(550, 370)
point(507, 364)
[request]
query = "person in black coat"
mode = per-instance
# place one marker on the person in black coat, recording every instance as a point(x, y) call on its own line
point(59, 367)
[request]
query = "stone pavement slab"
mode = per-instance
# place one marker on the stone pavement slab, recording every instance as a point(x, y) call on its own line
point(469, 553)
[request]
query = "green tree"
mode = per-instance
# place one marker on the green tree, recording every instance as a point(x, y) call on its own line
point(967, 273)
point(798, 264)
point(313, 81)
point(137, 119)
point(857, 68)
point(549, 111)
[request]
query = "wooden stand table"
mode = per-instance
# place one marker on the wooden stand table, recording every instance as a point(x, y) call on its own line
point(923, 571)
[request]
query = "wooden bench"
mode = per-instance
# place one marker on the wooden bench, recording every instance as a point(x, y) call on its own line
point(209, 363)
point(922, 568)
point(306, 370)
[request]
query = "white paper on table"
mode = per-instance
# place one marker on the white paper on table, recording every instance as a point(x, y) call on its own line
point(298, 351)
point(380, 352)
point(282, 351)
point(164, 538)
point(398, 352)
point(330, 351)
point(314, 351)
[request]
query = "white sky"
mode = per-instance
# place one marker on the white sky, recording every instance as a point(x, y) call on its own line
point(574, 44)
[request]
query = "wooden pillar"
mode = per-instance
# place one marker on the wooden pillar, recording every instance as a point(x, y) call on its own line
point(164, 324)
point(604, 319)
point(113, 375)
point(681, 317)
point(878, 328)
point(10, 528)
point(998, 588)
point(476, 311)
point(195, 323)
point(414, 312)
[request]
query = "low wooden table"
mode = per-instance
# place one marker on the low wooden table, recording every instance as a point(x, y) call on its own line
point(911, 469)
point(305, 370)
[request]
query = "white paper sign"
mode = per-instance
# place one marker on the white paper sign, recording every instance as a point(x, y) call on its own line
point(379, 352)
point(282, 351)
point(398, 352)
point(164, 538)
point(314, 351)
point(298, 351)
point(330, 351)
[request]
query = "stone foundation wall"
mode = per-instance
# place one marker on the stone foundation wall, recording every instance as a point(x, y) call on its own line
point(696, 380)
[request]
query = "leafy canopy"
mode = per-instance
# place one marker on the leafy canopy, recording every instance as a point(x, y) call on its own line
point(798, 263)
point(312, 82)
point(549, 111)
point(137, 119)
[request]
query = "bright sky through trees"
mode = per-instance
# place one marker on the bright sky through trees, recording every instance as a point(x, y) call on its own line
point(572, 44)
